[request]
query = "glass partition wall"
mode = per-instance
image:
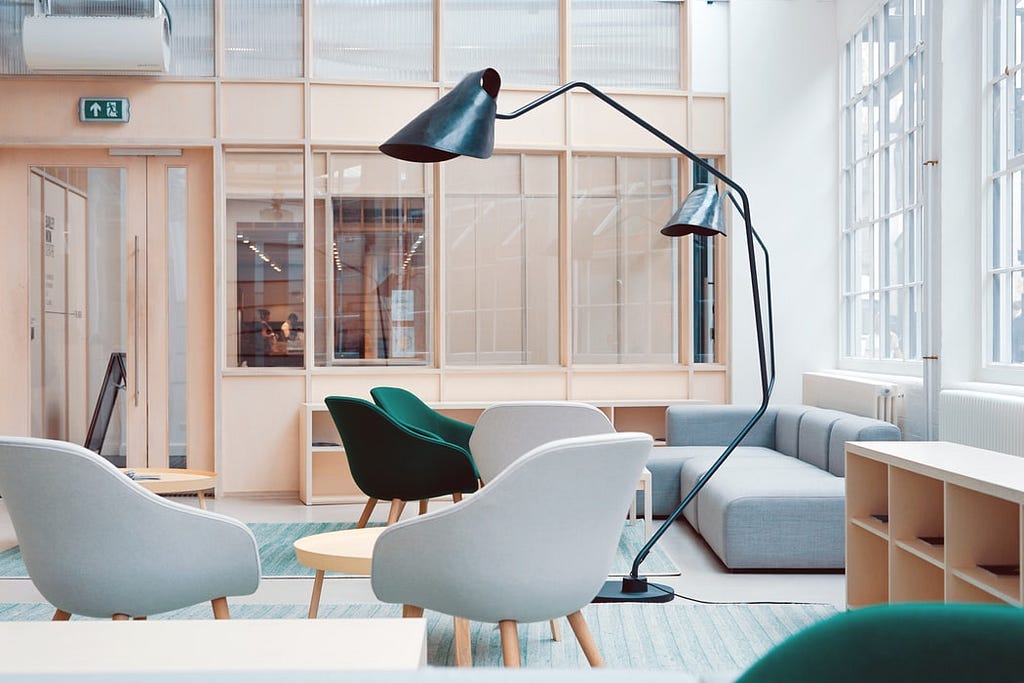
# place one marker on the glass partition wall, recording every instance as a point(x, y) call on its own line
point(375, 257)
point(266, 262)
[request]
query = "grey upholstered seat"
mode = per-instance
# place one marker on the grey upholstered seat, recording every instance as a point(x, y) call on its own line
point(543, 532)
point(97, 544)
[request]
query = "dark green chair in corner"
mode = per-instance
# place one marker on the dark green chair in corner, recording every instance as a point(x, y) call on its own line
point(390, 461)
point(408, 409)
point(937, 643)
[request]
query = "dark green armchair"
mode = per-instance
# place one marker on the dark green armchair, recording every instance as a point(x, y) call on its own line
point(408, 409)
point(390, 461)
point(937, 643)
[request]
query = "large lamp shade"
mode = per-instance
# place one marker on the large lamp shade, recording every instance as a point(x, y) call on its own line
point(459, 124)
point(699, 214)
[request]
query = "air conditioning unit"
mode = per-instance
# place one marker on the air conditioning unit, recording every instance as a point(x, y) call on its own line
point(91, 36)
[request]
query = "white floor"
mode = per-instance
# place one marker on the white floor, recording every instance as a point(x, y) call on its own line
point(703, 576)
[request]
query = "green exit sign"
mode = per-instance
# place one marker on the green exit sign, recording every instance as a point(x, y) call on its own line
point(94, 109)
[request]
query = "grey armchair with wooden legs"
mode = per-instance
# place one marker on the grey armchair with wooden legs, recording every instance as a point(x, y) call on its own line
point(505, 431)
point(531, 558)
point(97, 544)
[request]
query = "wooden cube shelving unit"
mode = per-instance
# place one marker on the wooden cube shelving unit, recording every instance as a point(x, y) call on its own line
point(932, 521)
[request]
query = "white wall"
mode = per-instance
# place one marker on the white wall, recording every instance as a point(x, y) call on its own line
point(783, 110)
point(960, 193)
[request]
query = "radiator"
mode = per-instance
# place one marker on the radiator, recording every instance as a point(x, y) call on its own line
point(982, 419)
point(853, 394)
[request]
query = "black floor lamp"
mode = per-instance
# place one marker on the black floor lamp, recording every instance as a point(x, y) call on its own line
point(462, 124)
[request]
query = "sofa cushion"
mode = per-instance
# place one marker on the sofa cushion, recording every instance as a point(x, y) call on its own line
point(664, 464)
point(787, 429)
point(701, 458)
point(717, 425)
point(815, 430)
point(855, 428)
point(778, 518)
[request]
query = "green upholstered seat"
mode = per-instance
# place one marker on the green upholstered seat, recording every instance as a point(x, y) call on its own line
point(408, 409)
point(938, 643)
point(390, 461)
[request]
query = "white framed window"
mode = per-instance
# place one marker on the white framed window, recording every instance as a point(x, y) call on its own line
point(883, 205)
point(1004, 187)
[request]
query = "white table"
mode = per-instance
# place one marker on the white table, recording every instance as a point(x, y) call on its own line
point(644, 485)
point(208, 645)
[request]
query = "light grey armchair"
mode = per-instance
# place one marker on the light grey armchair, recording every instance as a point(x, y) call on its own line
point(505, 431)
point(544, 530)
point(97, 544)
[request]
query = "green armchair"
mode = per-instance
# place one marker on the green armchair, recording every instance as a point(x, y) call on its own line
point(408, 409)
point(390, 461)
point(938, 643)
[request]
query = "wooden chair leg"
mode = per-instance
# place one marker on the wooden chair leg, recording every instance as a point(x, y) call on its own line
point(457, 497)
point(411, 612)
point(556, 631)
point(220, 608)
point(120, 617)
point(510, 643)
point(314, 600)
point(61, 615)
point(423, 506)
point(397, 505)
point(586, 640)
point(367, 509)
point(463, 645)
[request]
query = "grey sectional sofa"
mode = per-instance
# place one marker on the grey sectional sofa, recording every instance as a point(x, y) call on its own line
point(778, 501)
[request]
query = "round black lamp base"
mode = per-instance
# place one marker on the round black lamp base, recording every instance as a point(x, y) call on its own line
point(634, 590)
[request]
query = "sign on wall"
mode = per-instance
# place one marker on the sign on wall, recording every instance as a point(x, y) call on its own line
point(103, 109)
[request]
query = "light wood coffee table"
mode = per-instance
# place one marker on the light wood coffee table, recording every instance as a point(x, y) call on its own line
point(175, 480)
point(349, 551)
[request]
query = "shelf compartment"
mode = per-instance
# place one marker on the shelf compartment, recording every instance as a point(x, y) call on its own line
point(648, 419)
point(872, 525)
point(867, 566)
point(323, 429)
point(867, 489)
point(983, 530)
point(333, 479)
point(916, 504)
point(914, 578)
point(929, 552)
point(977, 585)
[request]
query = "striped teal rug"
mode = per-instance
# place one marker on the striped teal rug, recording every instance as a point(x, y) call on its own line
point(696, 639)
point(278, 558)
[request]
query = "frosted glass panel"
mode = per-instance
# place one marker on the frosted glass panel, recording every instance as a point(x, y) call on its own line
point(12, 59)
point(370, 40)
point(501, 242)
point(519, 39)
point(626, 43)
point(624, 271)
point(263, 38)
point(191, 37)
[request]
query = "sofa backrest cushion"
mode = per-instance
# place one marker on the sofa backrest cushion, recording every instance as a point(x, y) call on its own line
point(854, 428)
point(787, 429)
point(717, 425)
point(815, 435)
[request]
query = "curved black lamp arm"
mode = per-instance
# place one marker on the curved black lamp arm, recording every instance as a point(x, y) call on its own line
point(743, 206)
point(768, 383)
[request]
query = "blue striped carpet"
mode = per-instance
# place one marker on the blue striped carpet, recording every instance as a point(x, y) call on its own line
point(278, 558)
point(696, 639)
